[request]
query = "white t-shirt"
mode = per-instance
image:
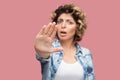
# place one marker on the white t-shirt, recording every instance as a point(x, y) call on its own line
point(68, 71)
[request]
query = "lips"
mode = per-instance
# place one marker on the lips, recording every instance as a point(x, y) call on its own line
point(63, 33)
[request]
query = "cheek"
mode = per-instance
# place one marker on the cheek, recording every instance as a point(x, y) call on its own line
point(72, 30)
point(58, 28)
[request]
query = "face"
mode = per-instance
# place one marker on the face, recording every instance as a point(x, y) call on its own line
point(66, 27)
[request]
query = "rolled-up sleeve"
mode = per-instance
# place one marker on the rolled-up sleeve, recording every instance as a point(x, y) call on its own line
point(42, 60)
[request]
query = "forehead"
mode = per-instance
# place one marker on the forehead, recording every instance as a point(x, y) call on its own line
point(66, 16)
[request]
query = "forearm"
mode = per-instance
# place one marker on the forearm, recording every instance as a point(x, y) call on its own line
point(42, 54)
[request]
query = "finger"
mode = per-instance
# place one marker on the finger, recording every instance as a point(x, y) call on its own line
point(54, 33)
point(51, 29)
point(42, 30)
point(47, 29)
point(56, 49)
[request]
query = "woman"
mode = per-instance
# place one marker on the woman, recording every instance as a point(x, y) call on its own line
point(63, 58)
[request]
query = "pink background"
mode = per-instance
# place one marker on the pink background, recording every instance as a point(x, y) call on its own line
point(21, 20)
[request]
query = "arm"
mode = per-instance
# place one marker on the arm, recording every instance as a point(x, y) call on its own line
point(90, 69)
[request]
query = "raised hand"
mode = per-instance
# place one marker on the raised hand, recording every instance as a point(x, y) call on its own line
point(44, 39)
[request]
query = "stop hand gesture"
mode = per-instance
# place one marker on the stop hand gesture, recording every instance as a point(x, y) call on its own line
point(44, 39)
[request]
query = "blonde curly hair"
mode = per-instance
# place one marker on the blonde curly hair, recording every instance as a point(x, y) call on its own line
point(77, 14)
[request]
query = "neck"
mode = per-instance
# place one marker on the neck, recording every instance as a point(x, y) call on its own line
point(68, 44)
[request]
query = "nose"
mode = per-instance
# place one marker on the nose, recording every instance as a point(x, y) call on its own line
point(63, 25)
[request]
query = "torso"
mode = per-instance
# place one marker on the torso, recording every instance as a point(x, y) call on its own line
point(70, 68)
point(69, 56)
point(69, 59)
point(67, 71)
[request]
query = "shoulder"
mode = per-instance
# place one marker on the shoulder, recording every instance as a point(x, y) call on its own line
point(87, 54)
point(85, 51)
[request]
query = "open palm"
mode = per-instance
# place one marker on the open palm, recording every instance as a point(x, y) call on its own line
point(44, 39)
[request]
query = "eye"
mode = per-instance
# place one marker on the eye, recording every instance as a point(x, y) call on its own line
point(70, 22)
point(59, 21)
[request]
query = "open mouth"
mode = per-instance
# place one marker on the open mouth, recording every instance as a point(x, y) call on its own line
point(63, 32)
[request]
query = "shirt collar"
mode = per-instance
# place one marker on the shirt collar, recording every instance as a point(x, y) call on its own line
point(79, 49)
point(78, 52)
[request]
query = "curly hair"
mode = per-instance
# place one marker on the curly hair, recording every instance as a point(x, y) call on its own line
point(77, 14)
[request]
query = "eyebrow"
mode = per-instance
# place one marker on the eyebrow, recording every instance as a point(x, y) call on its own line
point(66, 19)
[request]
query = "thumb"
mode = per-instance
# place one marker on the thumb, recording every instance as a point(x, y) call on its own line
point(56, 49)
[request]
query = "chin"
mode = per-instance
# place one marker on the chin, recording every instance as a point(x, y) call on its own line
point(64, 39)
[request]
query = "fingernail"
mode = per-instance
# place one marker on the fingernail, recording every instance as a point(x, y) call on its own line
point(44, 25)
point(54, 23)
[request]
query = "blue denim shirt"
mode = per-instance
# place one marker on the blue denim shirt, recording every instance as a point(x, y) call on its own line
point(50, 66)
